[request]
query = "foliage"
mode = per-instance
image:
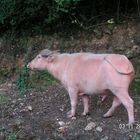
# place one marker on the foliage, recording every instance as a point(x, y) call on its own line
point(3, 105)
point(39, 15)
point(22, 81)
point(37, 80)
point(41, 80)
point(135, 85)
point(11, 136)
point(3, 101)
point(23, 15)
point(136, 137)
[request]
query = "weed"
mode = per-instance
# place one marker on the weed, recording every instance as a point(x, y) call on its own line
point(3, 101)
point(136, 137)
point(135, 85)
point(38, 80)
point(41, 79)
point(11, 136)
point(3, 105)
point(22, 81)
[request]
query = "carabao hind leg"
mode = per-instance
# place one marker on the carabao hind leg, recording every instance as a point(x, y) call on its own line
point(126, 100)
point(85, 99)
point(115, 104)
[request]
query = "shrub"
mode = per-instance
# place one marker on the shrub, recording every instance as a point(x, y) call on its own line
point(36, 15)
point(19, 14)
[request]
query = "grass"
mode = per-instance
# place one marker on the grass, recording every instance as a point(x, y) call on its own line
point(11, 136)
point(135, 86)
point(41, 80)
point(22, 80)
point(37, 80)
point(3, 101)
point(136, 137)
point(3, 105)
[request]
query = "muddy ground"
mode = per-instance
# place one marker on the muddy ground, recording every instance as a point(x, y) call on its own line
point(41, 115)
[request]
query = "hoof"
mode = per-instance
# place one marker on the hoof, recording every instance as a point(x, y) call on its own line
point(132, 125)
point(70, 115)
point(85, 114)
point(107, 116)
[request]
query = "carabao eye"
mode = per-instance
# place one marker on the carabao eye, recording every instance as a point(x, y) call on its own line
point(38, 57)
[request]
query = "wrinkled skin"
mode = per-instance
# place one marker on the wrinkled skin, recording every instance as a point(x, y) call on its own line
point(84, 74)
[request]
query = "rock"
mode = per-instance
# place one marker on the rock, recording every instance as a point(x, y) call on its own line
point(29, 108)
point(90, 126)
point(61, 129)
point(21, 104)
point(99, 129)
point(73, 118)
point(132, 41)
point(135, 47)
point(62, 109)
point(61, 123)
point(105, 138)
point(14, 101)
point(10, 85)
point(89, 118)
point(23, 111)
point(68, 123)
point(19, 99)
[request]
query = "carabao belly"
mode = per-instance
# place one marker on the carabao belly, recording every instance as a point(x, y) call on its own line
point(92, 85)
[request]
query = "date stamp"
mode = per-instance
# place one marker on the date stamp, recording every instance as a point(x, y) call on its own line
point(127, 126)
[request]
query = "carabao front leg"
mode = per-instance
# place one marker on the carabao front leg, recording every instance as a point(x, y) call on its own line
point(73, 100)
point(85, 99)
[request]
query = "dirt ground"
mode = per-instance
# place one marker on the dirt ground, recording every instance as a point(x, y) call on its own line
point(41, 115)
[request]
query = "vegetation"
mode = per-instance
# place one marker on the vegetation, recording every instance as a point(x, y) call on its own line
point(135, 85)
point(136, 137)
point(11, 136)
point(22, 81)
point(35, 17)
point(37, 80)
point(3, 101)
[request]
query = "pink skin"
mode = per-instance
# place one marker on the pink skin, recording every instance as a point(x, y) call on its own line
point(85, 99)
point(84, 74)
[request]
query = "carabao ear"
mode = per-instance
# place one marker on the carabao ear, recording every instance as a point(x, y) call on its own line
point(51, 58)
point(49, 55)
